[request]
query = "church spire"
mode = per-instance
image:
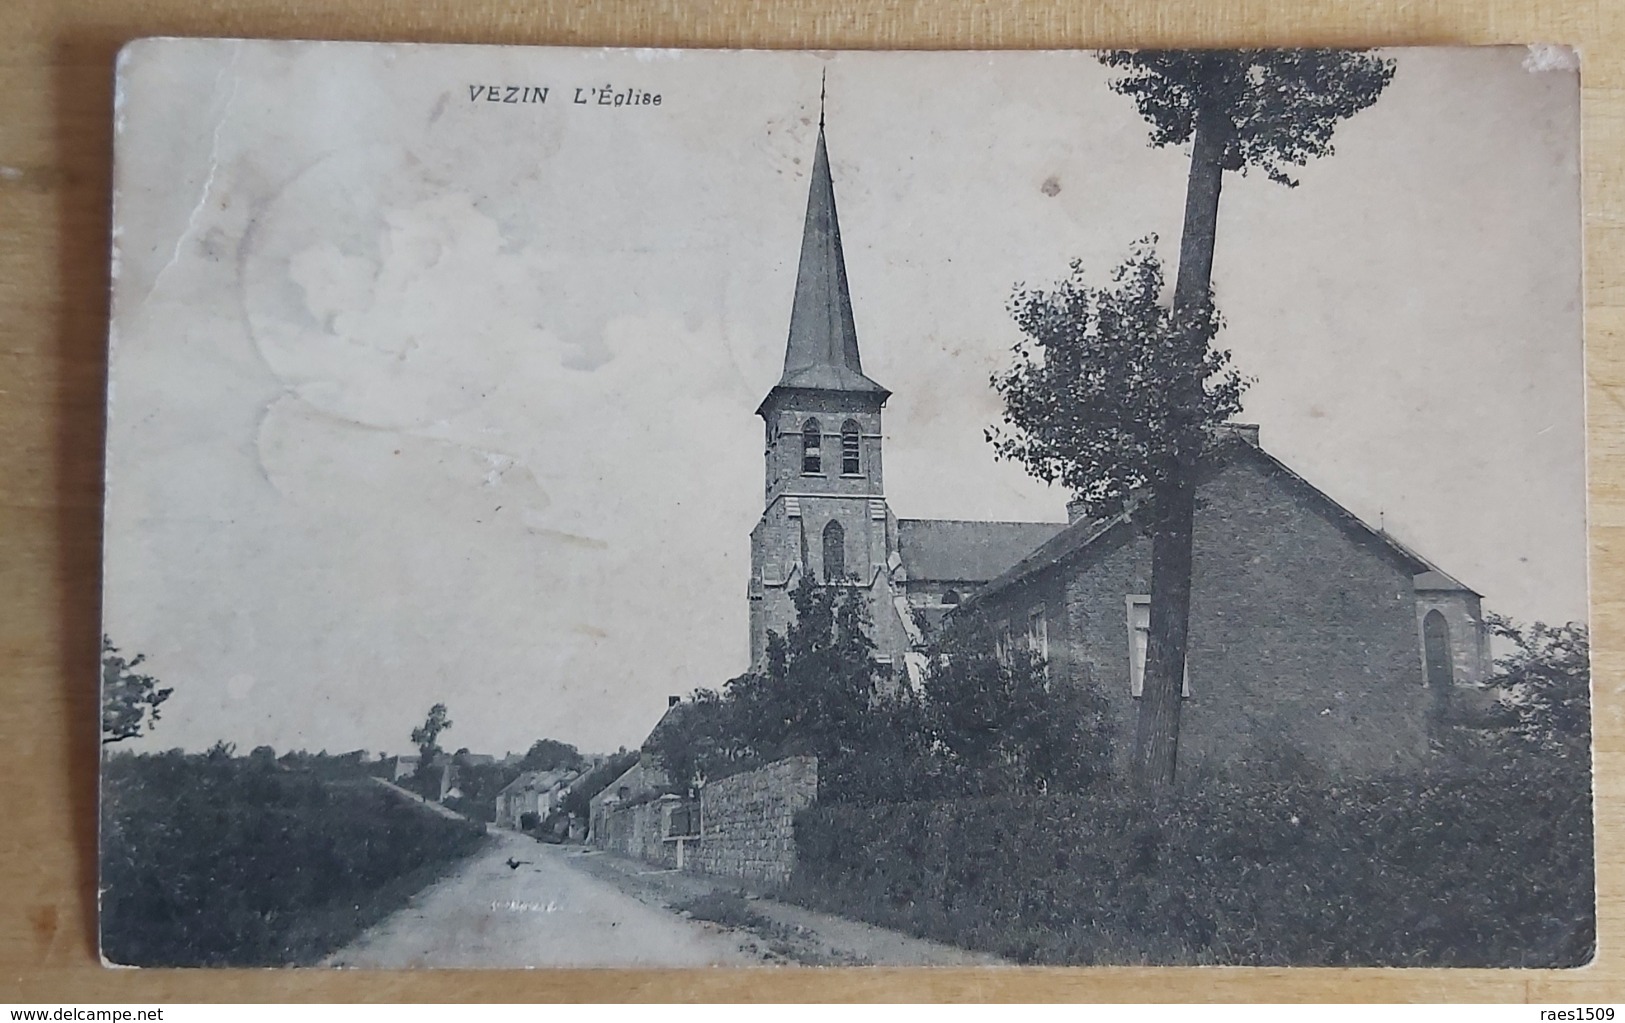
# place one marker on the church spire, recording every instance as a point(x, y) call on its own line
point(822, 353)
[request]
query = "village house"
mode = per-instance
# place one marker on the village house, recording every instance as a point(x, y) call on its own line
point(644, 779)
point(1317, 643)
point(402, 766)
point(537, 792)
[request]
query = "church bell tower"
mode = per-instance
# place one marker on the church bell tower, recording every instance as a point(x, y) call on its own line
point(825, 512)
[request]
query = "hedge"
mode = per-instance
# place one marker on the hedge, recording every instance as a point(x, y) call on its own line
point(214, 861)
point(1488, 871)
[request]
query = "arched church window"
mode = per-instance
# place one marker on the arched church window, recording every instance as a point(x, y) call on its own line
point(812, 441)
point(834, 552)
point(1436, 652)
point(950, 597)
point(851, 445)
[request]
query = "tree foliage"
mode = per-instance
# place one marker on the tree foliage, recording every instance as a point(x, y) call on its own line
point(978, 723)
point(1274, 109)
point(130, 698)
point(551, 755)
point(1545, 680)
point(820, 693)
point(997, 724)
point(426, 737)
point(1092, 400)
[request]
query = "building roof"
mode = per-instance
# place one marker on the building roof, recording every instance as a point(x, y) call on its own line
point(1088, 532)
point(946, 550)
point(822, 352)
point(637, 778)
point(536, 781)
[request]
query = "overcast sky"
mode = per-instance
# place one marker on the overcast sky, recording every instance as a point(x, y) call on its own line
point(420, 398)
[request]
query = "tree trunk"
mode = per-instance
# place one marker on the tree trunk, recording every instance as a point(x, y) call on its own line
point(1156, 745)
point(1208, 158)
point(1162, 695)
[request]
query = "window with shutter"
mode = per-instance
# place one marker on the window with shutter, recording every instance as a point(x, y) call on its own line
point(851, 446)
point(812, 442)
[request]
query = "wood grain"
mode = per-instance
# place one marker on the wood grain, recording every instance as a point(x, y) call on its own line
point(56, 61)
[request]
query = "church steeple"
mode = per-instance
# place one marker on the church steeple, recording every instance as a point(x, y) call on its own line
point(824, 513)
point(822, 352)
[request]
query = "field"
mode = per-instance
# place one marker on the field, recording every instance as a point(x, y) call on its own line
point(210, 860)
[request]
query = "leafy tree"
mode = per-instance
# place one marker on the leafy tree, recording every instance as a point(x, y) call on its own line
point(478, 785)
point(1100, 399)
point(820, 692)
point(998, 723)
point(1546, 682)
point(1239, 109)
point(550, 755)
point(702, 738)
point(130, 699)
point(428, 734)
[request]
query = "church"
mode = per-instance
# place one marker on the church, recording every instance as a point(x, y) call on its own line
point(824, 511)
point(1316, 640)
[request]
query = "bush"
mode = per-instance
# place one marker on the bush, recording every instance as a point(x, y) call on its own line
point(215, 861)
point(1487, 871)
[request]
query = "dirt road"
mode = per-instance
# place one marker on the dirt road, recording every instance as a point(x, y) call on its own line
point(542, 913)
point(569, 906)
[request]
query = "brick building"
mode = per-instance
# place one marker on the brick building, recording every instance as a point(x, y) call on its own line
point(1317, 644)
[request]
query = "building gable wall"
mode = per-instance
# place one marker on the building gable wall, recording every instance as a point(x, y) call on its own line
point(1304, 649)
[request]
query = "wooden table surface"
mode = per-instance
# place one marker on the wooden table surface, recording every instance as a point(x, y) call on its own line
point(56, 61)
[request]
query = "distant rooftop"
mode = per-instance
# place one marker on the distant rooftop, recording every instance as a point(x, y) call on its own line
point(948, 550)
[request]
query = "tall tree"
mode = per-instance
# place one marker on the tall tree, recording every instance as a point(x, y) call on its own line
point(130, 698)
point(1113, 395)
point(1267, 109)
point(426, 737)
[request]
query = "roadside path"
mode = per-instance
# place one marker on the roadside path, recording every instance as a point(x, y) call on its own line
point(427, 804)
point(542, 913)
point(778, 931)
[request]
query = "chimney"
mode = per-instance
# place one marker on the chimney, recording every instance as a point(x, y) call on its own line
point(1244, 431)
point(672, 701)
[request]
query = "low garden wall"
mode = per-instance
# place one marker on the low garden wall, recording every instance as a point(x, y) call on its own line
point(748, 822)
point(742, 826)
point(635, 830)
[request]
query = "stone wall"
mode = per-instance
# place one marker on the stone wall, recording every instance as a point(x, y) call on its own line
point(636, 830)
point(747, 825)
point(748, 822)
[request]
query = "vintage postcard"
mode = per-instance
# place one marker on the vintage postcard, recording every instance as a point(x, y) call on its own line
point(579, 507)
